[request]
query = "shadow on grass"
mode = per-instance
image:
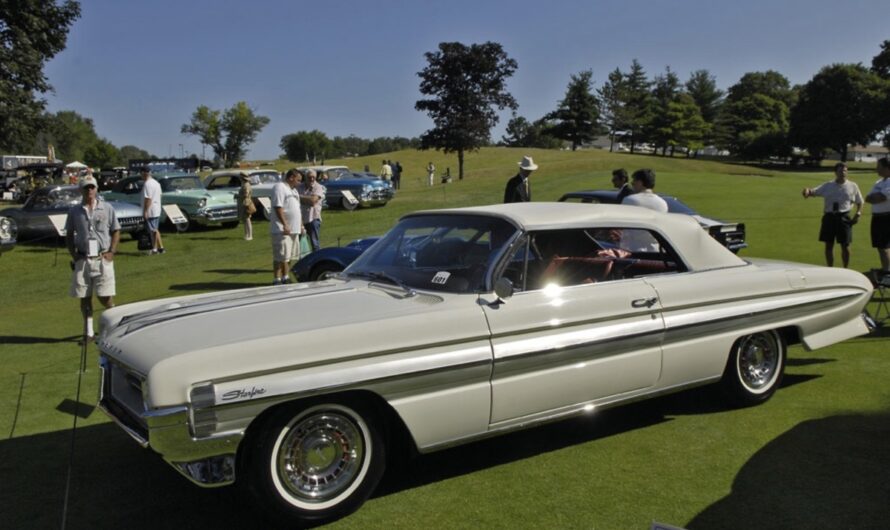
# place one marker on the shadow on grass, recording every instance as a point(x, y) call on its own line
point(237, 271)
point(791, 361)
point(15, 339)
point(214, 286)
point(827, 473)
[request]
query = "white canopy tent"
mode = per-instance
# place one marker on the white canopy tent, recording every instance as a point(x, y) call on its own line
point(75, 165)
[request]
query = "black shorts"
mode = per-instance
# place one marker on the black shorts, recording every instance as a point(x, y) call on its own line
point(880, 230)
point(836, 227)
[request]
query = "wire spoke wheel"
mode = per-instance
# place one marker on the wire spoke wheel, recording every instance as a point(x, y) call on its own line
point(754, 369)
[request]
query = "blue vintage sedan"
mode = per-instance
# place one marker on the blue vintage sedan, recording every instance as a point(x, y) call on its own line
point(367, 190)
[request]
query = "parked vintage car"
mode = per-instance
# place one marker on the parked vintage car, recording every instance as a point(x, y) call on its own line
point(320, 264)
point(262, 181)
point(33, 217)
point(730, 235)
point(8, 233)
point(368, 191)
point(198, 205)
point(456, 325)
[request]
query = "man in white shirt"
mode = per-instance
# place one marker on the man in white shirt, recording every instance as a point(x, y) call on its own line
point(151, 209)
point(311, 198)
point(643, 182)
point(286, 226)
point(879, 198)
point(840, 196)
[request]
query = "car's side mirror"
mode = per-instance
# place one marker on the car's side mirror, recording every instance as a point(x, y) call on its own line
point(503, 288)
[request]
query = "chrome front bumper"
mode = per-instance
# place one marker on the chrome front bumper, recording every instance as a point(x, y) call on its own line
point(208, 462)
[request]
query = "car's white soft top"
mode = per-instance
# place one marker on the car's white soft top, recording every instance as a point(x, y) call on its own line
point(697, 248)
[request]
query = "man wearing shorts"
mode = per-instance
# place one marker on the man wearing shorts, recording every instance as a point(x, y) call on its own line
point(286, 226)
point(840, 196)
point(92, 233)
point(151, 209)
point(879, 198)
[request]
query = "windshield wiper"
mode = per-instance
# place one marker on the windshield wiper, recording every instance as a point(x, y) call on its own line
point(389, 278)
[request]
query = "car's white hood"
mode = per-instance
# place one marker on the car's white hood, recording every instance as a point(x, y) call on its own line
point(214, 336)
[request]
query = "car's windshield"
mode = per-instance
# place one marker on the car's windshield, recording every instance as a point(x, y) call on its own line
point(181, 184)
point(437, 252)
point(675, 206)
point(270, 177)
point(53, 198)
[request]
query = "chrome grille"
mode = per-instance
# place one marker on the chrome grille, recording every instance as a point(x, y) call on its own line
point(122, 396)
point(224, 212)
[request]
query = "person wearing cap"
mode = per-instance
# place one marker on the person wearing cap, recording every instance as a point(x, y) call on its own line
point(92, 233)
point(151, 209)
point(246, 207)
point(518, 188)
point(311, 199)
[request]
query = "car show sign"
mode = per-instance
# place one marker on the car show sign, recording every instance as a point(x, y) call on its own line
point(267, 206)
point(349, 197)
point(58, 222)
point(175, 214)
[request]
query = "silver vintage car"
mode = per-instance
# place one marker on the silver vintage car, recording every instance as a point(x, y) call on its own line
point(456, 325)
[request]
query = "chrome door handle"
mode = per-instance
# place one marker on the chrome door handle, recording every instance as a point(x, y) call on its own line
point(643, 302)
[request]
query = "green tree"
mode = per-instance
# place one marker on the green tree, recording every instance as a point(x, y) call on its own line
point(612, 105)
point(516, 132)
point(522, 133)
point(659, 128)
point(306, 146)
point(70, 133)
point(753, 121)
point(227, 132)
point(637, 104)
point(702, 87)
point(577, 115)
point(131, 152)
point(840, 106)
point(880, 63)
point(101, 154)
point(31, 33)
point(465, 84)
point(687, 126)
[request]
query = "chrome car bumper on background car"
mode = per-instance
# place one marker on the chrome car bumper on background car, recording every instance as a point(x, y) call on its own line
point(222, 214)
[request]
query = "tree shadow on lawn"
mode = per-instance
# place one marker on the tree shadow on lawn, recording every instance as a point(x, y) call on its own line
point(16, 339)
point(215, 286)
point(827, 473)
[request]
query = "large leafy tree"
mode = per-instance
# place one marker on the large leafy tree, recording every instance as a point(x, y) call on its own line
point(687, 126)
point(306, 145)
point(132, 152)
point(753, 121)
point(840, 106)
point(577, 115)
point(880, 63)
point(101, 154)
point(31, 33)
point(522, 133)
point(465, 85)
point(70, 134)
point(227, 132)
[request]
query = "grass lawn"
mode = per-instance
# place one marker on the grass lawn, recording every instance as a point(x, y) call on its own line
point(815, 456)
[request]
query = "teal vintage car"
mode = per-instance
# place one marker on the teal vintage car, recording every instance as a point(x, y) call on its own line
point(198, 204)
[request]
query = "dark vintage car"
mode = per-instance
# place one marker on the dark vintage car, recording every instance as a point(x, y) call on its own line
point(33, 218)
point(368, 191)
point(730, 235)
point(320, 264)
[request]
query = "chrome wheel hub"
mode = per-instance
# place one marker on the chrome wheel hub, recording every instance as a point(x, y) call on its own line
point(758, 359)
point(320, 456)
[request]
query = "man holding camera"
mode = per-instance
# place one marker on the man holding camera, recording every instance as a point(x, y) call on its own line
point(92, 233)
point(840, 196)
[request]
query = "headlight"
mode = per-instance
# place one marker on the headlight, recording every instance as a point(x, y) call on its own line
point(202, 203)
point(8, 228)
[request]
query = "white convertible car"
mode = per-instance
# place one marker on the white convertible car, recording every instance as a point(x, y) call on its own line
point(458, 324)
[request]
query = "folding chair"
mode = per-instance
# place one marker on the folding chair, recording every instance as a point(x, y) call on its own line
point(881, 296)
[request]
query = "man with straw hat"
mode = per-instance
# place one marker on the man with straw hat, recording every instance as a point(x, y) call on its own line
point(518, 189)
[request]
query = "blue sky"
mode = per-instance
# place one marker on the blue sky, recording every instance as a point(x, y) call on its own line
point(139, 69)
